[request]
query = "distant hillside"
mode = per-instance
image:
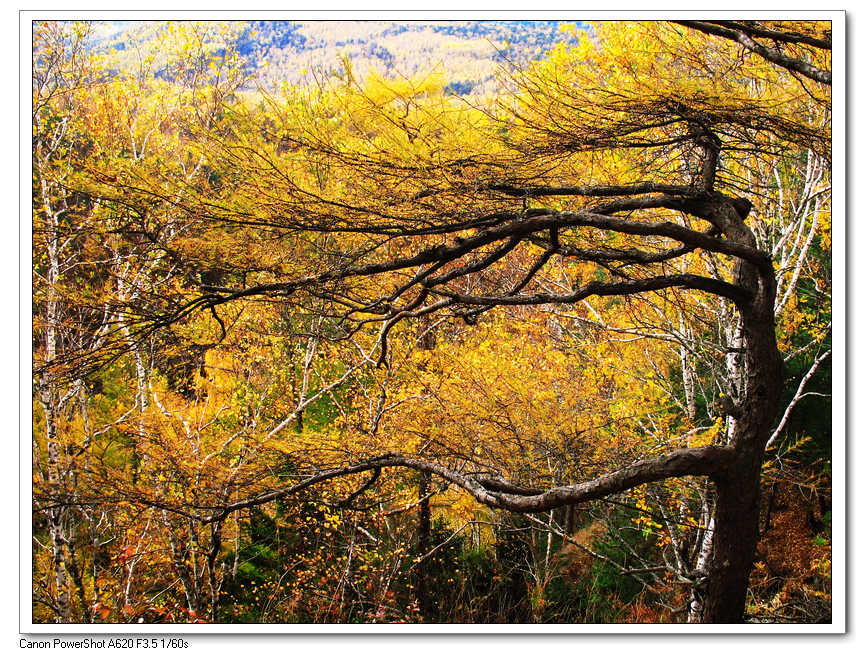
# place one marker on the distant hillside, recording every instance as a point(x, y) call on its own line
point(468, 52)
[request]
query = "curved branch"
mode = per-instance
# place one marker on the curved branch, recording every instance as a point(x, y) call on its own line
point(699, 461)
point(523, 226)
point(740, 35)
point(376, 473)
point(624, 256)
point(639, 188)
point(754, 29)
point(736, 294)
point(798, 396)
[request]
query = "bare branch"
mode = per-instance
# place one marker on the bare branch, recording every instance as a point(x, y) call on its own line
point(743, 35)
point(724, 289)
point(679, 463)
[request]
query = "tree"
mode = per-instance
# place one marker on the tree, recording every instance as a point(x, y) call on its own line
point(775, 39)
point(61, 76)
point(615, 171)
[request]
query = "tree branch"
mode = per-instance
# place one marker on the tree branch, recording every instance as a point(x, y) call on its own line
point(679, 463)
point(740, 35)
point(736, 294)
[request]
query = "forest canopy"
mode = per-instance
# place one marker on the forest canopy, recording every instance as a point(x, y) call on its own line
point(372, 346)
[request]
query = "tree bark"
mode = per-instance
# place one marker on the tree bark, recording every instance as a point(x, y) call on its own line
point(737, 510)
point(736, 530)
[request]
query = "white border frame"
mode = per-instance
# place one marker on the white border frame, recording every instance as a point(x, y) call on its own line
point(839, 317)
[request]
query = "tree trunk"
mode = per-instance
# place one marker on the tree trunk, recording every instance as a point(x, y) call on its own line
point(737, 510)
point(213, 578)
point(737, 517)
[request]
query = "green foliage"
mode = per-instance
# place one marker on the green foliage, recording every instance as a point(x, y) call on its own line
point(269, 550)
point(607, 589)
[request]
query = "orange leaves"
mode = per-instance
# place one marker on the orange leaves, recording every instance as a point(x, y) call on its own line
point(126, 553)
point(102, 610)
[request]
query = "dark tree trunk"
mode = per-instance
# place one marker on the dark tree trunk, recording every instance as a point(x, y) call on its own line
point(737, 512)
point(737, 517)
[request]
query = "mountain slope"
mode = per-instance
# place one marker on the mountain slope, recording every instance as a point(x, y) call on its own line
point(467, 52)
